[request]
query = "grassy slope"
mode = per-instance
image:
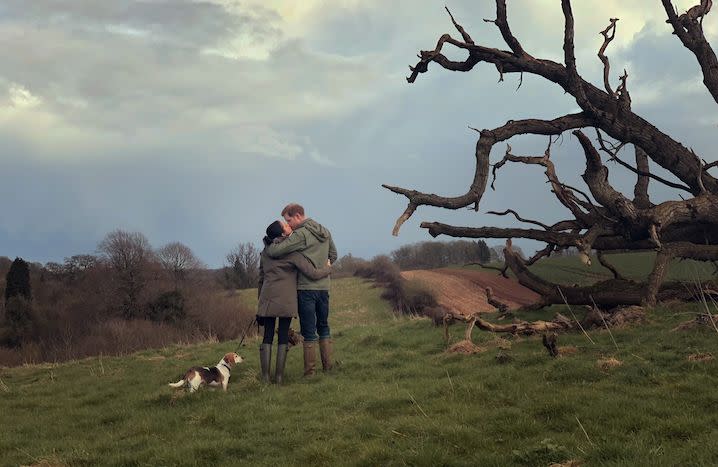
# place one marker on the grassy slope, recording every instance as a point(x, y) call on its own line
point(637, 266)
point(395, 399)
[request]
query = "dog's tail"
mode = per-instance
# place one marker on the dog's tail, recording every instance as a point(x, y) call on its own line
point(178, 384)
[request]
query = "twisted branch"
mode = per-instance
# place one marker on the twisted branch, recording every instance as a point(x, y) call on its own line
point(516, 215)
point(486, 141)
point(689, 29)
point(608, 34)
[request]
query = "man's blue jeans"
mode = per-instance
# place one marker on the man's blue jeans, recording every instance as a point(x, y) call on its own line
point(314, 314)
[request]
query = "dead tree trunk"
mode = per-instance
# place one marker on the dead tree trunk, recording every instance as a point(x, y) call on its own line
point(602, 218)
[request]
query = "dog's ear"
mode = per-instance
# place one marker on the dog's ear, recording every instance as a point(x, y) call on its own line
point(229, 359)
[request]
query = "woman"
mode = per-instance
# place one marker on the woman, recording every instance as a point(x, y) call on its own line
point(278, 297)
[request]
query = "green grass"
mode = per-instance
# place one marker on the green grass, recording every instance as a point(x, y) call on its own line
point(396, 398)
point(569, 270)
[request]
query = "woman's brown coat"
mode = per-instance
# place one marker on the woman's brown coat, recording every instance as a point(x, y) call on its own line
point(278, 283)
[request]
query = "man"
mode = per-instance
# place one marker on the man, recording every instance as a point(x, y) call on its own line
point(315, 242)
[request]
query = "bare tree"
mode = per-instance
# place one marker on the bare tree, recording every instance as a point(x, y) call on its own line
point(604, 219)
point(243, 269)
point(128, 254)
point(178, 259)
point(73, 268)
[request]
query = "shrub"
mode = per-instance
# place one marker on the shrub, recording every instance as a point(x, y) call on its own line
point(219, 316)
point(17, 281)
point(168, 307)
point(434, 254)
point(242, 271)
point(347, 266)
point(21, 322)
point(408, 297)
point(118, 336)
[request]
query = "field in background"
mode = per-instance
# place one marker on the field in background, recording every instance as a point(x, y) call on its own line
point(569, 270)
point(396, 398)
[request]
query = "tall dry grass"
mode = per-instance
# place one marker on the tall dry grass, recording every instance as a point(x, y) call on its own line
point(78, 317)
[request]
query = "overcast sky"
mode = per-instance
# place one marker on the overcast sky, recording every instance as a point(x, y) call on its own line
point(197, 121)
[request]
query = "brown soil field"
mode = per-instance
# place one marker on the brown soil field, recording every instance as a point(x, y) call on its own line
point(463, 290)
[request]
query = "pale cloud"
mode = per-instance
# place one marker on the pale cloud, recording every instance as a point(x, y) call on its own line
point(320, 159)
point(223, 66)
point(221, 71)
point(21, 98)
point(198, 120)
point(25, 117)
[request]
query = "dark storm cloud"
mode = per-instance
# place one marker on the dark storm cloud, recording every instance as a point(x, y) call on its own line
point(187, 23)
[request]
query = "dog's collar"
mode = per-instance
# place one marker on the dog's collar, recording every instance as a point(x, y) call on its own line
point(229, 368)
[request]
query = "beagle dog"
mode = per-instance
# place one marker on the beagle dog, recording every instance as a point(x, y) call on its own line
point(215, 376)
point(294, 338)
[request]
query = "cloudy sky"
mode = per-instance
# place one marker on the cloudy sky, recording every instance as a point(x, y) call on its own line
point(197, 121)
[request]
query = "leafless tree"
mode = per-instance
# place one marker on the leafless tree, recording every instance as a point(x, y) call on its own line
point(178, 260)
point(243, 269)
point(73, 267)
point(602, 219)
point(128, 254)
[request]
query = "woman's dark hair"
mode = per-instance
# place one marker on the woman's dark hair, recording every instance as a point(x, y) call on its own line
point(273, 231)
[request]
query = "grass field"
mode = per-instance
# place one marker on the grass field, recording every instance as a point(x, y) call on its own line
point(396, 398)
point(637, 266)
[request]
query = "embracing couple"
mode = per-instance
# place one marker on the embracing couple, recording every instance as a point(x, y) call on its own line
point(294, 270)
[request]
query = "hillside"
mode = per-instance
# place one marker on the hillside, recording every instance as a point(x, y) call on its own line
point(396, 398)
point(464, 290)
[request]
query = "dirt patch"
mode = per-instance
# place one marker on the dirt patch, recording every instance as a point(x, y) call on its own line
point(627, 316)
point(700, 357)
point(154, 358)
point(569, 463)
point(464, 291)
point(606, 364)
point(46, 463)
point(700, 321)
point(564, 350)
point(465, 347)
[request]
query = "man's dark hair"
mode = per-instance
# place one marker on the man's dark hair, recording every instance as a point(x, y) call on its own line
point(292, 210)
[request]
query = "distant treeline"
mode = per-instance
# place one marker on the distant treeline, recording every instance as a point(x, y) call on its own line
point(127, 297)
point(429, 255)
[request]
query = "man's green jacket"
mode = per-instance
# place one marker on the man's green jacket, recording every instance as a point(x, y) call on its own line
point(315, 242)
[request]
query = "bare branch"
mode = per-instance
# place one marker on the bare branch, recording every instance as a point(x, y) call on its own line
point(486, 141)
point(574, 83)
point(515, 214)
point(460, 28)
point(604, 219)
point(689, 29)
point(622, 91)
point(558, 238)
point(640, 190)
point(660, 268)
point(596, 177)
point(604, 262)
point(568, 48)
point(540, 254)
point(701, 209)
point(565, 197)
point(500, 306)
point(608, 34)
point(619, 122)
point(501, 270)
point(613, 156)
point(403, 218)
point(503, 25)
